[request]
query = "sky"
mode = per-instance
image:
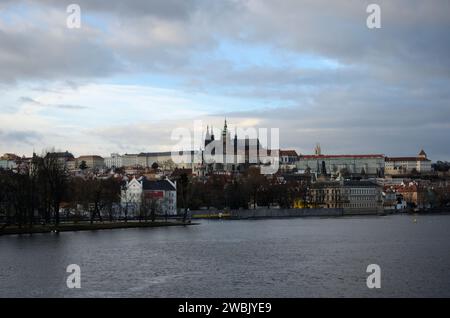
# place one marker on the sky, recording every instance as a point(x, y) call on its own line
point(137, 70)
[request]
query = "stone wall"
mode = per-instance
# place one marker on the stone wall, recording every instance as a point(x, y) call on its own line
point(279, 213)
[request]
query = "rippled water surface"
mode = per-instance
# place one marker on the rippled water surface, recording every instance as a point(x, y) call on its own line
point(308, 257)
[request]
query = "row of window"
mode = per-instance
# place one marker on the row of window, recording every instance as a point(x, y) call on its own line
point(360, 205)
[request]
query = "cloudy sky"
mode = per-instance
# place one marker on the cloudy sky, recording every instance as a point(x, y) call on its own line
point(136, 70)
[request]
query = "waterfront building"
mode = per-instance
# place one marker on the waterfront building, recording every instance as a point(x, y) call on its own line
point(159, 194)
point(417, 194)
point(353, 196)
point(364, 197)
point(326, 194)
point(392, 200)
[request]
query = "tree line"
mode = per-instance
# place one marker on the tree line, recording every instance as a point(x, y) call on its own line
point(245, 191)
point(35, 195)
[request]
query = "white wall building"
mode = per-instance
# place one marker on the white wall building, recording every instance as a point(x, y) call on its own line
point(405, 165)
point(130, 160)
point(7, 164)
point(164, 192)
point(371, 164)
point(115, 161)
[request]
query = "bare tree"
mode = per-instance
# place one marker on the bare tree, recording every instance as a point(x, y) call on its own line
point(56, 176)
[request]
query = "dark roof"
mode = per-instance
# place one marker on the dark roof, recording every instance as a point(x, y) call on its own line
point(164, 153)
point(90, 156)
point(347, 183)
point(65, 154)
point(157, 185)
point(292, 153)
point(152, 154)
point(296, 177)
point(362, 183)
point(325, 184)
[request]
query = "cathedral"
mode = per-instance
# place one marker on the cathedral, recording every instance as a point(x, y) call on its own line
point(231, 154)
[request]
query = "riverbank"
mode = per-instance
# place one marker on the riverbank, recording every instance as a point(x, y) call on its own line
point(266, 213)
point(86, 226)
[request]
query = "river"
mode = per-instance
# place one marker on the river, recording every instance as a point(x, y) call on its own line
point(299, 257)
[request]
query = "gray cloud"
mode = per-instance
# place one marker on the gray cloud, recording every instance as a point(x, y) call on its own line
point(27, 137)
point(26, 99)
point(390, 93)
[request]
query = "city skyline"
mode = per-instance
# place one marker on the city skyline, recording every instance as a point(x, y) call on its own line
point(131, 74)
point(218, 133)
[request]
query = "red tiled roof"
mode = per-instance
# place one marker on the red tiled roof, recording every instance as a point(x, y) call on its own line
point(406, 159)
point(341, 156)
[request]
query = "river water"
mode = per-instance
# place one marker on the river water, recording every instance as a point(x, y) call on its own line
point(301, 257)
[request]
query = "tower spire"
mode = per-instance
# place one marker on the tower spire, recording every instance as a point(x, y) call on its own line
point(207, 136)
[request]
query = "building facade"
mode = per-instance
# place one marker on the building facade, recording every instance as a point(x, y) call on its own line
point(370, 164)
point(288, 157)
point(8, 164)
point(147, 194)
point(130, 160)
point(232, 154)
point(92, 161)
point(354, 197)
point(407, 165)
point(114, 161)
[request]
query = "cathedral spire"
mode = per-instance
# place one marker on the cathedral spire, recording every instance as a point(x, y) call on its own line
point(208, 136)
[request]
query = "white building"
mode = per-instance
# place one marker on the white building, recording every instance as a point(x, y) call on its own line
point(288, 157)
point(370, 164)
point(115, 161)
point(405, 165)
point(161, 192)
point(130, 160)
point(8, 164)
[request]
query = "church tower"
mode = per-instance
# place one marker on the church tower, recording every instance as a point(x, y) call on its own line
point(207, 136)
point(422, 154)
point(317, 150)
point(225, 141)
